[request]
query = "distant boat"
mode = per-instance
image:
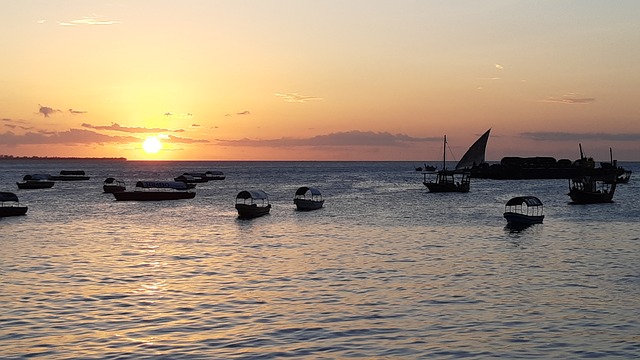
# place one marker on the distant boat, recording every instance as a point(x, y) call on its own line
point(592, 189)
point(111, 185)
point(191, 178)
point(522, 211)
point(426, 168)
point(36, 181)
point(214, 175)
point(252, 203)
point(308, 198)
point(10, 206)
point(448, 180)
point(156, 190)
point(622, 176)
point(70, 175)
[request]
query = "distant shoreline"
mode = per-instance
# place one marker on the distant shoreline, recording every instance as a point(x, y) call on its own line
point(10, 157)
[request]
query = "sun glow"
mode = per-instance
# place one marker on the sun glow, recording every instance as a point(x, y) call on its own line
point(152, 145)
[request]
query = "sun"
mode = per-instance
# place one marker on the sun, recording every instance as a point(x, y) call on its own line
point(152, 145)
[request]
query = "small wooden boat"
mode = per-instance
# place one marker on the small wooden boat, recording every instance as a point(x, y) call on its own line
point(214, 175)
point(112, 185)
point(524, 211)
point(36, 181)
point(592, 189)
point(308, 198)
point(624, 177)
point(252, 203)
point(70, 175)
point(156, 191)
point(448, 180)
point(191, 178)
point(10, 206)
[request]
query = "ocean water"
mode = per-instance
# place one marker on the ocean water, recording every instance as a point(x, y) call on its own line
point(384, 270)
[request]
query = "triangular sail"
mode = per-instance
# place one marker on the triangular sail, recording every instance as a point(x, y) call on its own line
point(475, 154)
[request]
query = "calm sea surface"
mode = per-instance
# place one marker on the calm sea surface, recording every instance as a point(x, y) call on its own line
point(385, 270)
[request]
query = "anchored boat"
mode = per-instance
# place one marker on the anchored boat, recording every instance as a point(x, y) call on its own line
point(523, 211)
point(308, 198)
point(252, 203)
point(157, 190)
point(10, 206)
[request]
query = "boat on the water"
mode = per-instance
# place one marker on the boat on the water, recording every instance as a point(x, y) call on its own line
point(458, 180)
point(70, 175)
point(214, 175)
point(592, 189)
point(10, 206)
point(36, 181)
point(308, 198)
point(112, 185)
point(191, 178)
point(427, 168)
point(156, 190)
point(252, 203)
point(523, 211)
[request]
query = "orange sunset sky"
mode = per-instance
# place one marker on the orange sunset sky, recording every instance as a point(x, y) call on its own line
point(319, 80)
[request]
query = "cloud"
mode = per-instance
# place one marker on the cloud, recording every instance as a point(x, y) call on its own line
point(246, 112)
point(47, 111)
point(566, 136)
point(349, 138)
point(569, 99)
point(118, 127)
point(181, 140)
point(76, 112)
point(195, 125)
point(182, 115)
point(69, 137)
point(293, 97)
point(88, 21)
point(498, 66)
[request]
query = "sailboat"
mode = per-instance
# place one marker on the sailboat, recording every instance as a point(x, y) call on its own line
point(448, 180)
point(458, 180)
point(475, 155)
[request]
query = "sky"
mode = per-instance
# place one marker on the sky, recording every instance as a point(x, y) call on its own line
point(319, 80)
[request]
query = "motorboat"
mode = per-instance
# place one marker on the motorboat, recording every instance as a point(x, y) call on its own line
point(112, 185)
point(10, 206)
point(214, 175)
point(592, 189)
point(252, 203)
point(191, 178)
point(36, 181)
point(70, 175)
point(308, 198)
point(157, 190)
point(522, 211)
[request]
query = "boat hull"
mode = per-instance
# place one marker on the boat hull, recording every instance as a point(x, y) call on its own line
point(153, 195)
point(69, 178)
point(308, 205)
point(113, 188)
point(13, 211)
point(35, 185)
point(522, 219)
point(586, 197)
point(446, 187)
point(247, 211)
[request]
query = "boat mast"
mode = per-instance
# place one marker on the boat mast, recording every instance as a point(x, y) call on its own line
point(444, 154)
point(611, 155)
